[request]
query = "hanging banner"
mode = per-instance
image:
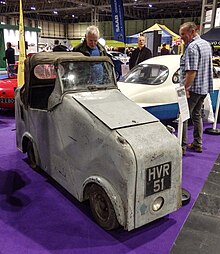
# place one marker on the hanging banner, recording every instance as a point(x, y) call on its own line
point(22, 50)
point(118, 20)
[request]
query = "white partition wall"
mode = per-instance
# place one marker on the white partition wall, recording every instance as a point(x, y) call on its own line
point(11, 35)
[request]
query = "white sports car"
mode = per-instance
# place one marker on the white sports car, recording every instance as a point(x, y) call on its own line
point(152, 83)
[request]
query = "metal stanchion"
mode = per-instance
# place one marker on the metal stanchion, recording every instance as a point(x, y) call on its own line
point(180, 130)
point(214, 130)
point(186, 196)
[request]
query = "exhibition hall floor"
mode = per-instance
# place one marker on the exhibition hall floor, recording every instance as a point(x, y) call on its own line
point(38, 216)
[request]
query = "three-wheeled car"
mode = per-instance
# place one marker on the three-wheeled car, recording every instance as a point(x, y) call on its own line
point(77, 126)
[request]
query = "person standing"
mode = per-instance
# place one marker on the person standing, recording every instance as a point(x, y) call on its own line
point(58, 47)
point(90, 45)
point(10, 57)
point(196, 74)
point(164, 50)
point(140, 54)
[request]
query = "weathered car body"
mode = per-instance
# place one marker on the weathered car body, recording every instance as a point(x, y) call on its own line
point(152, 85)
point(95, 142)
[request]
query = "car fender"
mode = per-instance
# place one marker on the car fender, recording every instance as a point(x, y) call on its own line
point(25, 138)
point(112, 194)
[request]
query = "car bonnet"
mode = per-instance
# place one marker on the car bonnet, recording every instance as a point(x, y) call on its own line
point(114, 109)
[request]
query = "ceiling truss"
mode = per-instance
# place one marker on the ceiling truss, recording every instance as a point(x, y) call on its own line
point(74, 11)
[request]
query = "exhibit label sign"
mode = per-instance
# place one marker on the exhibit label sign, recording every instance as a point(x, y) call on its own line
point(183, 104)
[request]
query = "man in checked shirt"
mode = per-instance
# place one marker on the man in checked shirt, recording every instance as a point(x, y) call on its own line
point(196, 75)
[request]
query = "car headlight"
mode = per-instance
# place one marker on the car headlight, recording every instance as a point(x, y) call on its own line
point(157, 204)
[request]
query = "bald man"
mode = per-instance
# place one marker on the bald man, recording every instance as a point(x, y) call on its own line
point(140, 54)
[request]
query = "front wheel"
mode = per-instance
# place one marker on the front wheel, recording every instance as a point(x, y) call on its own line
point(31, 155)
point(186, 196)
point(102, 208)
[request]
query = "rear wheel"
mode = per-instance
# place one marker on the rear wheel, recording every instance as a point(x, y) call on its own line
point(102, 208)
point(31, 155)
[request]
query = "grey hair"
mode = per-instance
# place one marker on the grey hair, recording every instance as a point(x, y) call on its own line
point(190, 26)
point(92, 30)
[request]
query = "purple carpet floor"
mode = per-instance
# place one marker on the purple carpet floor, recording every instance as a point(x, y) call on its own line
point(38, 216)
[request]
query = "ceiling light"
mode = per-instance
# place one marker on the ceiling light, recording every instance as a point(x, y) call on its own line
point(150, 5)
point(33, 8)
point(55, 12)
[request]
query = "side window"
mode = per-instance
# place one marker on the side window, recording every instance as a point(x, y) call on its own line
point(176, 77)
point(45, 71)
point(42, 84)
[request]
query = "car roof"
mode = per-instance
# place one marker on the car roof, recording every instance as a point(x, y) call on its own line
point(52, 57)
point(58, 57)
point(163, 60)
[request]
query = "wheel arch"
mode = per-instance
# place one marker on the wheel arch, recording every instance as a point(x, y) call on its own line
point(110, 191)
point(25, 139)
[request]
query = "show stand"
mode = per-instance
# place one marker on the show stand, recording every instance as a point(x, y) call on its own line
point(186, 196)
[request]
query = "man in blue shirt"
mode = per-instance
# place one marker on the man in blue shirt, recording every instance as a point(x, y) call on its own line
point(196, 75)
point(91, 47)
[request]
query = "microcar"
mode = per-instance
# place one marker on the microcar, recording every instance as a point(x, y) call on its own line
point(77, 126)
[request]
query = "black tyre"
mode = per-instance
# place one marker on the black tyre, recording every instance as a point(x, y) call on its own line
point(31, 155)
point(186, 196)
point(102, 208)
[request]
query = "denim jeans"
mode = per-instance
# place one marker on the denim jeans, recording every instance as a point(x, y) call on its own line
point(195, 102)
point(11, 69)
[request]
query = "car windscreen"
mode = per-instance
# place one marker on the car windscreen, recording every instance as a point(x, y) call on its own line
point(87, 75)
point(147, 74)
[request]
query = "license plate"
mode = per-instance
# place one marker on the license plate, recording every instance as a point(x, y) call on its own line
point(158, 178)
point(7, 100)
